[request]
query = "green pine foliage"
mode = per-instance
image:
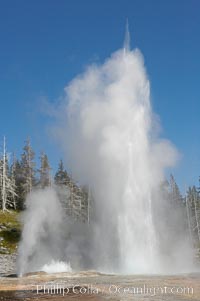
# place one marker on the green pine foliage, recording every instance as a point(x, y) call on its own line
point(21, 175)
point(61, 176)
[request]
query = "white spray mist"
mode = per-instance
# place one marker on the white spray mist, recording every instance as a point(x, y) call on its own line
point(109, 134)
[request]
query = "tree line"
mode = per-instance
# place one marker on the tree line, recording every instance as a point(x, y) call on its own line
point(19, 176)
point(183, 211)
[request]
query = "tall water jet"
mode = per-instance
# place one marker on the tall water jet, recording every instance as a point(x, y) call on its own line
point(127, 40)
point(135, 224)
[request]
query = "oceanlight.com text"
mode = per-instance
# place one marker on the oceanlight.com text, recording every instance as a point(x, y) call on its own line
point(112, 289)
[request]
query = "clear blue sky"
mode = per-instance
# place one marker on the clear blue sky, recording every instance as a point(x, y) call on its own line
point(44, 44)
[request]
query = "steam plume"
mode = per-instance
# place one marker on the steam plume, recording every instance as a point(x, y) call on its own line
point(107, 130)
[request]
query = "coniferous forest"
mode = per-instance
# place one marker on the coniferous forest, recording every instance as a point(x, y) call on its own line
point(20, 175)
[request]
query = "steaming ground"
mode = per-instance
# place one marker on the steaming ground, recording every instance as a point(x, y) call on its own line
point(109, 135)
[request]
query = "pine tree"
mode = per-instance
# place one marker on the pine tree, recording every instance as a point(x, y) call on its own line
point(175, 210)
point(189, 217)
point(7, 186)
point(193, 201)
point(175, 195)
point(61, 176)
point(13, 180)
point(18, 174)
point(44, 171)
point(78, 203)
point(75, 199)
point(28, 167)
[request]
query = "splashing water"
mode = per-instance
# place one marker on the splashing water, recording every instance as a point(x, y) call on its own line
point(56, 267)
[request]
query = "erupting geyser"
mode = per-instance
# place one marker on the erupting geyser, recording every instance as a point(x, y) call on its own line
point(111, 144)
point(42, 245)
point(108, 132)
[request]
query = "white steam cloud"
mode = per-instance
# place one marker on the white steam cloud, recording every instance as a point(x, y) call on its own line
point(107, 130)
point(42, 237)
point(51, 241)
